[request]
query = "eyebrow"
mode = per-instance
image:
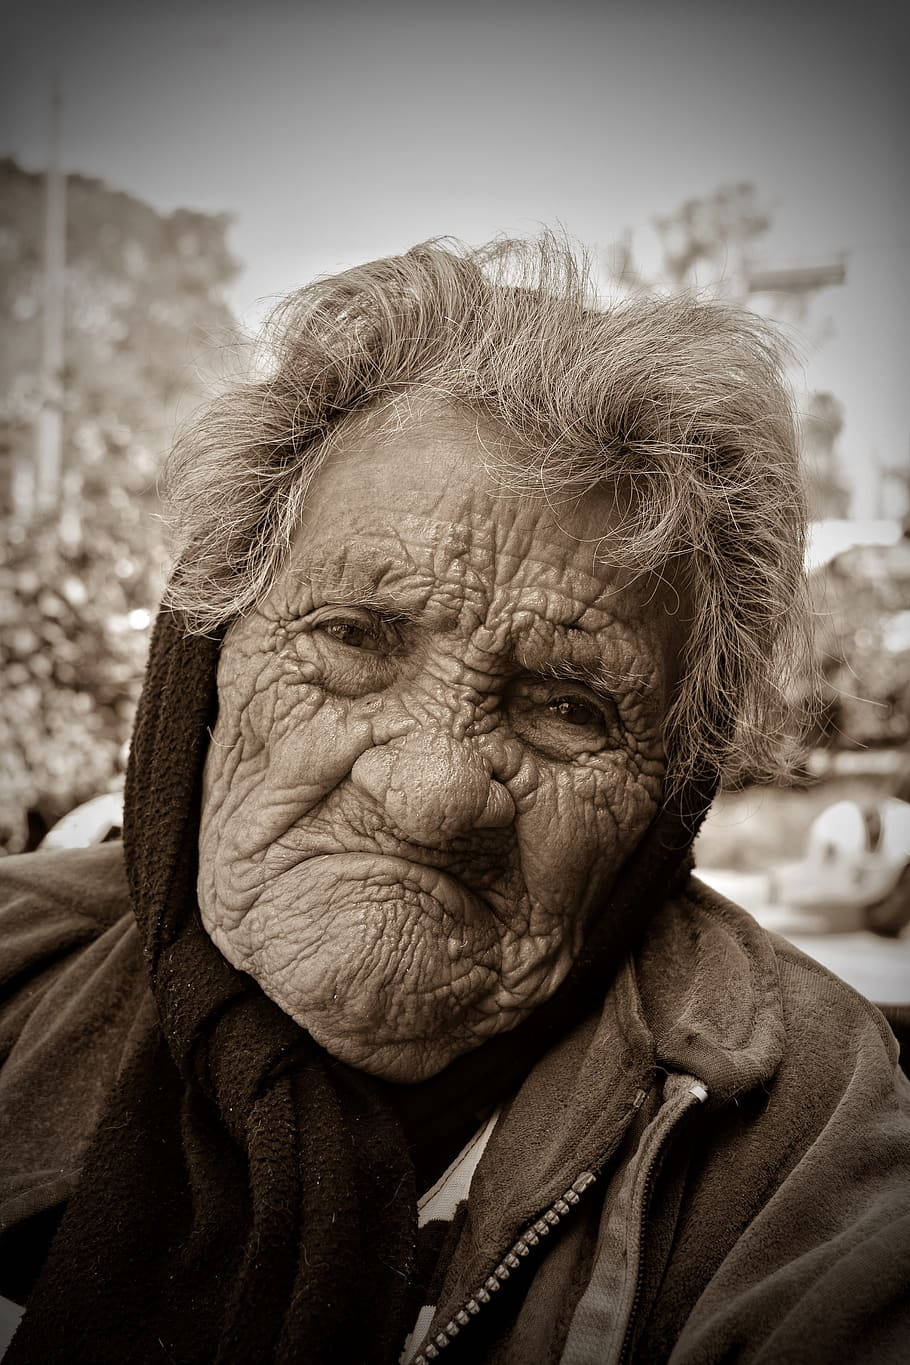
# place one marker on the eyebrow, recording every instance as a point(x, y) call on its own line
point(354, 581)
point(573, 667)
point(373, 599)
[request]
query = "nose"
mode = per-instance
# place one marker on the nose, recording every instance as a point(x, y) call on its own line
point(434, 786)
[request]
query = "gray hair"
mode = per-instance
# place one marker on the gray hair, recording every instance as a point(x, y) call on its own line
point(680, 405)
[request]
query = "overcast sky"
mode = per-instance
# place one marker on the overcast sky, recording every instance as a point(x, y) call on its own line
point(340, 133)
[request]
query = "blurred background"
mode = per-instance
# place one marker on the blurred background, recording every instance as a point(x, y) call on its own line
point(168, 171)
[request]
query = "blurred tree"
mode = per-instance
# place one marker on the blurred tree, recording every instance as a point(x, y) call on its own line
point(863, 634)
point(709, 245)
point(820, 426)
point(145, 317)
point(707, 241)
point(705, 245)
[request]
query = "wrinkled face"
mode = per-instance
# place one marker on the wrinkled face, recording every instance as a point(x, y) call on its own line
point(438, 740)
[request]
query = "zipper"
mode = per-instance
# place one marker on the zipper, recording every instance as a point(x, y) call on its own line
point(519, 1251)
point(700, 1094)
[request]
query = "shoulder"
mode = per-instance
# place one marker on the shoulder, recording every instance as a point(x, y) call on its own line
point(816, 1079)
point(805, 978)
point(827, 1025)
point(796, 1224)
point(72, 985)
point(82, 883)
point(56, 910)
point(52, 903)
point(822, 1008)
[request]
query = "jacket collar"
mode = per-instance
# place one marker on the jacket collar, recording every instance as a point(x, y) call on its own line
point(708, 984)
point(700, 997)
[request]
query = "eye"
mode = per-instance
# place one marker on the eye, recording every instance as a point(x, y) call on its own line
point(356, 629)
point(577, 711)
point(561, 723)
point(352, 633)
point(347, 650)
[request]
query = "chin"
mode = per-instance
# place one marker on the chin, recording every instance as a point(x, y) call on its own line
point(406, 1063)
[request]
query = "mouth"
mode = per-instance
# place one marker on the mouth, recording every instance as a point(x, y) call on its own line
point(393, 870)
point(363, 830)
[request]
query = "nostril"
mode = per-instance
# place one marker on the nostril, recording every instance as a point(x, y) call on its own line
point(499, 809)
point(372, 772)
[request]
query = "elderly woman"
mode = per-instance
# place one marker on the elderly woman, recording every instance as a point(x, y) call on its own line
point(398, 1028)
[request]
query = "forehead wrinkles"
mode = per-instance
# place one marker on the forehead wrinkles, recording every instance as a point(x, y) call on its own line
point(494, 605)
point(492, 572)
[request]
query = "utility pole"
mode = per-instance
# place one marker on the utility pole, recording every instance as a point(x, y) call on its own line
point(794, 285)
point(49, 427)
point(799, 280)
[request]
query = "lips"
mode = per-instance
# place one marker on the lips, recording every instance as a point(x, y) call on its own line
point(381, 869)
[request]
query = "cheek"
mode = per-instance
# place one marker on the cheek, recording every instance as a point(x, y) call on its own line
point(312, 746)
point(279, 747)
point(580, 829)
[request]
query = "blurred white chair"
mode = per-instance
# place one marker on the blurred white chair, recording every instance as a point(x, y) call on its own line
point(856, 869)
point(91, 823)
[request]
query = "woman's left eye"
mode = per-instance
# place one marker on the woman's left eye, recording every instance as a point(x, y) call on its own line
point(576, 711)
point(563, 725)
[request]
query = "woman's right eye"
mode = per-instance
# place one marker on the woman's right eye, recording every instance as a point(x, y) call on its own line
point(353, 634)
point(348, 651)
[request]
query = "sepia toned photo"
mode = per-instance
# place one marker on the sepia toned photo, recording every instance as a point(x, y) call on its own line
point(454, 684)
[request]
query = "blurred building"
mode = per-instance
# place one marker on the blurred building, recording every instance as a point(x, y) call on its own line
point(142, 299)
point(143, 323)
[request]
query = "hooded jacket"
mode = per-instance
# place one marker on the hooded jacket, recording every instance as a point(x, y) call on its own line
point(708, 1162)
point(713, 1167)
